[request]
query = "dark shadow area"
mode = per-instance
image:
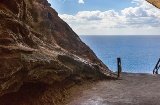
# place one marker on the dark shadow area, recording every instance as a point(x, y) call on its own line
point(27, 92)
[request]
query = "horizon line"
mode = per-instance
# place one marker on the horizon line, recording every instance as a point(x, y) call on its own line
point(116, 35)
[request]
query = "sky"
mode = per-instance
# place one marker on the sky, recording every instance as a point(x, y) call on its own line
point(109, 17)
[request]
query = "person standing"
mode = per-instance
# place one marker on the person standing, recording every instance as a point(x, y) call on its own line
point(119, 66)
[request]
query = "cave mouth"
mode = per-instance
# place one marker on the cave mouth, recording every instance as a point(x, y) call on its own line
point(27, 92)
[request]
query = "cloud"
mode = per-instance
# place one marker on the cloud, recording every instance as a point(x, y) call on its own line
point(140, 18)
point(134, 12)
point(138, 2)
point(144, 15)
point(89, 15)
point(80, 1)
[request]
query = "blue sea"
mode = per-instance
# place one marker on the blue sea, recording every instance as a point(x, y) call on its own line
point(139, 54)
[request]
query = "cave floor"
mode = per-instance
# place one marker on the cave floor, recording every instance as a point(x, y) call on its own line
point(130, 89)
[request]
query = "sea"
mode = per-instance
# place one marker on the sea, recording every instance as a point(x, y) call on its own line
point(138, 53)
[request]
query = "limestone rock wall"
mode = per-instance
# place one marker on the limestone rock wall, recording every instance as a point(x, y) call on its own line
point(156, 3)
point(38, 48)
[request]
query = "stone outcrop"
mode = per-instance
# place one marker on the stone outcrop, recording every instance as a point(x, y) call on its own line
point(40, 55)
point(156, 3)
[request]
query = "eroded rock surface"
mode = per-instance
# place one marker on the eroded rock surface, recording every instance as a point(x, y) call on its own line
point(38, 51)
point(156, 3)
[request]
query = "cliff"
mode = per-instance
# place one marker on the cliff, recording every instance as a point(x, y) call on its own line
point(41, 56)
point(156, 3)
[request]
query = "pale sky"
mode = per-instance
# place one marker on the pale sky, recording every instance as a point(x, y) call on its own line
point(109, 17)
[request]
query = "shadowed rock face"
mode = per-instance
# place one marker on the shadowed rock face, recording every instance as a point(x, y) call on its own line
point(156, 3)
point(37, 47)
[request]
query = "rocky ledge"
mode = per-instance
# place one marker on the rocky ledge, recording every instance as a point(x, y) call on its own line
point(41, 56)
